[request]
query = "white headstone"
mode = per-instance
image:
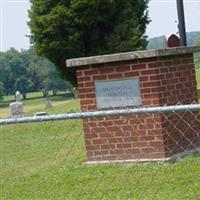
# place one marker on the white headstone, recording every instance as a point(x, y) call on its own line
point(16, 109)
point(76, 94)
point(18, 96)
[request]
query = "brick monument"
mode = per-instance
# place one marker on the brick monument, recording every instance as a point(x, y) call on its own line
point(138, 79)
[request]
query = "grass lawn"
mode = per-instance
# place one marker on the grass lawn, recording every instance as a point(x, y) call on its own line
point(198, 81)
point(43, 161)
point(198, 78)
point(35, 102)
point(197, 65)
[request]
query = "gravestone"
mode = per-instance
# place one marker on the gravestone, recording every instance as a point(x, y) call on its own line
point(16, 108)
point(76, 94)
point(173, 41)
point(18, 96)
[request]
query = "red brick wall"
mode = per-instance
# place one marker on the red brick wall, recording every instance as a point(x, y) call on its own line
point(163, 81)
point(181, 132)
point(119, 138)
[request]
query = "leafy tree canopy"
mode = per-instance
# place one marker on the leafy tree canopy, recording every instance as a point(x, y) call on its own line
point(27, 72)
point(62, 29)
point(2, 90)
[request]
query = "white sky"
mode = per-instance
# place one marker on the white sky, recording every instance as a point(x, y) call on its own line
point(14, 17)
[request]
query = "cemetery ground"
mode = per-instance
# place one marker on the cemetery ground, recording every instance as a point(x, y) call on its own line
point(35, 102)
point(45, 161)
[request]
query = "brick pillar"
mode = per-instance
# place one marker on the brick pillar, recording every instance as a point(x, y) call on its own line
point(166, 79)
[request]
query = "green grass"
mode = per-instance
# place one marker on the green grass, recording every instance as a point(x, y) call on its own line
point(43, 161)
point(197, 65)
point(198, 81)
point(198, 78)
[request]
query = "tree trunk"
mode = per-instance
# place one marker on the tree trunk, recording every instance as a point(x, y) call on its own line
point(24, 96)
point(45, 93)
point(54, 92)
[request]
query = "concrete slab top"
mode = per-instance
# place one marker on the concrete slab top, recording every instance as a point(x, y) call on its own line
point(131, 56)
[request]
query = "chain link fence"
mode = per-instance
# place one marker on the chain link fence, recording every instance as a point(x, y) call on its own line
point(103, 155)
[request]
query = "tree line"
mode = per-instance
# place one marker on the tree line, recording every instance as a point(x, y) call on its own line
point(62, 29)
point(27, 72)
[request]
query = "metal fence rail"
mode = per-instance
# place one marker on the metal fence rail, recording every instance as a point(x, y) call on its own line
point(150, 110)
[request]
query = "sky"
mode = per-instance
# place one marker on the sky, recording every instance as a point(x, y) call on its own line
point(163, 15)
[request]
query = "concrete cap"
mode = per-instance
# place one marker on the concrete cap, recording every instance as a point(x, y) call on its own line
point(131, 56)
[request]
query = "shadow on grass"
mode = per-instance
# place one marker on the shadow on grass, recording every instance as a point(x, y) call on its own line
point(196, 155)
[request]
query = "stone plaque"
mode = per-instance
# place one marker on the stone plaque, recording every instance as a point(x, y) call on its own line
point(118, 93)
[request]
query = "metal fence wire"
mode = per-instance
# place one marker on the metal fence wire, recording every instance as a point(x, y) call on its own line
point(139, 153)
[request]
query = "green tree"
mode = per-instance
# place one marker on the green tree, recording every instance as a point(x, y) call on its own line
point(27, 72)
point(37, 67)
point(2, 66)
point(52, 81)
point(23, 85)
point(2, 90)
point(16, 74)
point(62, 29)
point(3, 74)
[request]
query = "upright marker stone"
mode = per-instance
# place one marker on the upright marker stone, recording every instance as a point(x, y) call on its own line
point(16, 108)
point(18, 96)
point(173, 41)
